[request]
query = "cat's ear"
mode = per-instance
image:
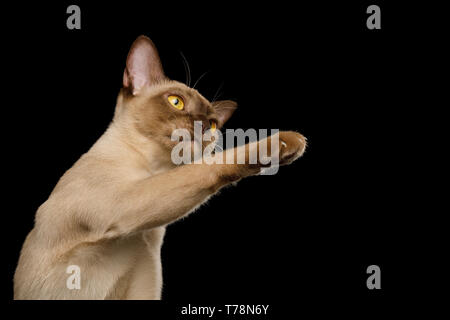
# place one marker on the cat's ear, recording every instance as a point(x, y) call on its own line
point(224, 109)
point(143, 66)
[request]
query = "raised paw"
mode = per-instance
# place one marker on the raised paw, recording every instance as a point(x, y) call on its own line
point(292, 145)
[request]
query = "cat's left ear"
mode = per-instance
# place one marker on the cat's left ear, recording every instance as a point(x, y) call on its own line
point(143, 66)
point(224, 109)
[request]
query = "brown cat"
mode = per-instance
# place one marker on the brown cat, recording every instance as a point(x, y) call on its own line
point(107, 214)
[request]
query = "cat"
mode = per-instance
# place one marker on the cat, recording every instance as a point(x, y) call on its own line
point(108, 213)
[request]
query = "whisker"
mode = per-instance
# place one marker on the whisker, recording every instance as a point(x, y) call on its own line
point(204, 73)
point(217, 92)
point(187, 70)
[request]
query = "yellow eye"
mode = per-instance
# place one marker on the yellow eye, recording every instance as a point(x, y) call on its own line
point(213, 125)
point(176, 101)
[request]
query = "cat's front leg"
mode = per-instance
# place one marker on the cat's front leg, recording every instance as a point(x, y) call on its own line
point(164, 198)
point(289, 147)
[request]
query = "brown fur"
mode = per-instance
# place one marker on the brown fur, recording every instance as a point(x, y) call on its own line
point(108, 213)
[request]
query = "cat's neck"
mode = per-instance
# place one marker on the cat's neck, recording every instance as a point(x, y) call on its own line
point(123, 144)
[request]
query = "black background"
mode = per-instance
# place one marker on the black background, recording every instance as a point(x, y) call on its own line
point(303, 236)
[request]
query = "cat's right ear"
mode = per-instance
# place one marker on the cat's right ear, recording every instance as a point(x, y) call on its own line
point(143, 66)
point(224, 110)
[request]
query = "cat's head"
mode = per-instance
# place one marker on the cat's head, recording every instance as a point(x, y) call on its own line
point(157, 105)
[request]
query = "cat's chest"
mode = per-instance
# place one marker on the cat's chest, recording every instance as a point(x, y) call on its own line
point(128, 250)
point(121, 258)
